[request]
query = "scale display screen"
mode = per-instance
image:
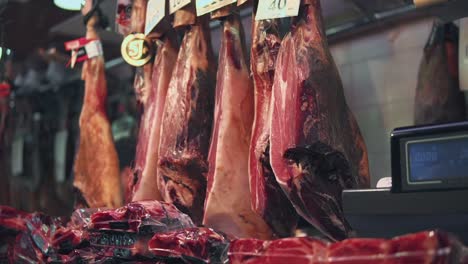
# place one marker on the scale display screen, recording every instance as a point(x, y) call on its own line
point(436, 160)
point(430, 158)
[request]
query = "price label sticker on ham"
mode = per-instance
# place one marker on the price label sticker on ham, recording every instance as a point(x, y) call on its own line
point(155, 12)
point(269, 9)
point(206, 6)
point(175, 5)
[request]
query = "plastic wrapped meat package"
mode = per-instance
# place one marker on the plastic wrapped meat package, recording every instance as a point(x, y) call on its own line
point(423, 247)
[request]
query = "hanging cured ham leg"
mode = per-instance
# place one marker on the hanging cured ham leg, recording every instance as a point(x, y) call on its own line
point(316, 147)
point(268, 199)
point(150, 124)
point(96, 166)
point(187, 122)
point(228, 203)
point(438, 97)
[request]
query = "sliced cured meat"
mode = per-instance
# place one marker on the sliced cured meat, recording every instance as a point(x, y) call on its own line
point(438, 97)
point(187, 123)
point(268, 199)
point(360, 250)
point(288, 250)
point(97, 173)
point(201, 244)
point(228, 203)
point(316, 147)
point(147, 153)
point(424, 247)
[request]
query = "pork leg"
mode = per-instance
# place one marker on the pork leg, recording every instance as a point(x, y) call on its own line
point(228, 203)
point(97, 175)
point(187, 123)
point(316, 147)
point(268, 199)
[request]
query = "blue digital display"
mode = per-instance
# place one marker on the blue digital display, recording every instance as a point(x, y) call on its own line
point(437, 159)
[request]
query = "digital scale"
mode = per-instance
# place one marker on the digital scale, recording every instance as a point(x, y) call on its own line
point(427, 158)
point(429, 185)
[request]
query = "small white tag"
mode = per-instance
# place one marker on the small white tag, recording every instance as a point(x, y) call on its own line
point(206, 6)
point(268, 9)
point(155, 12)
point(385, 183)
point(60, 154)
point(17, 151)
point(175, 5)
point(94, 49)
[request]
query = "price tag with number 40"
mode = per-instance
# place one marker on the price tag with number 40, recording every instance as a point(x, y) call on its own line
point(175, 5)
point(268, 9)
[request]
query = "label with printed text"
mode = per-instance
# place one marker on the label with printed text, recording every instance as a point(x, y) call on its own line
point(175, 5)
point(155, 12)
point(269, 9)
point(206, 6)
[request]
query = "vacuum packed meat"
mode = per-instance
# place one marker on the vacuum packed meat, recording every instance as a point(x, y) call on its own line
point(316, 147)
point(268, 199)
point(123, 235)
point(228, 202)
point(424, 247)
point(200, 245)
point(97, 173)
point(187, 122)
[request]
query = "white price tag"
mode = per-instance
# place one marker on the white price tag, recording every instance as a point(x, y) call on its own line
point(175, 5)
point(94, 49)
point(155, 12)
point(206, 6)
point(268, 9)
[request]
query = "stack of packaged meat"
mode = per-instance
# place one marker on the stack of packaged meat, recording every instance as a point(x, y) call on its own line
point(231, 153)
point(156, 232)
